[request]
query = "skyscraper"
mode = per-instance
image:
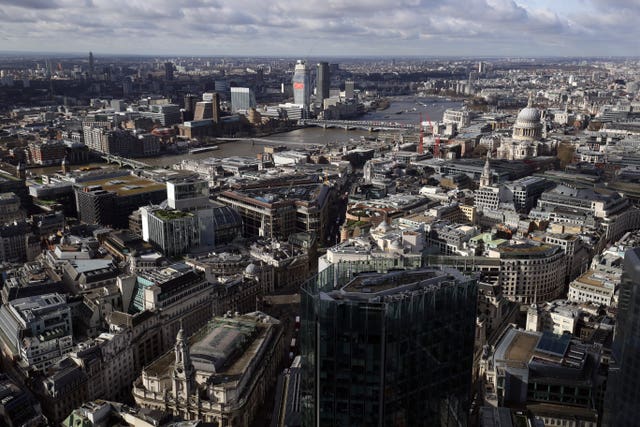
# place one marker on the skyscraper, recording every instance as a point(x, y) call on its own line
point(301, 85)
point(622, 403)
point(91, 64)
point(323, 81)
point(168, 70)
point(387, 349)
point(242, 98)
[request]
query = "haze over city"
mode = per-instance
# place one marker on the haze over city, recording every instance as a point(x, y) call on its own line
point(338, 27)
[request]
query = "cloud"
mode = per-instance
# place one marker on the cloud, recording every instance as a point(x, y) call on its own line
point(31, 4)
point(347, 27)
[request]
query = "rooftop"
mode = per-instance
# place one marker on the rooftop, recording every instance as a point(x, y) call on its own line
point(126, 185)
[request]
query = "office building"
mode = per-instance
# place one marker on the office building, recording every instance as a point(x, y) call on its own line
point(622, 405)
point(242, 99)
point(387, 349)
point(531, 272)
point(17, 407)
point(525, 192)
point(36, 330)
point(301, 85)
point(189, 106)
point(168, 70)
point(110, 198)
point(323, 82)
point(190, 221)
point(187, 194)
point(47, 153)
point(278, 211)
point(556, 317)
point(589, 206)
point(383, 249)
point(220, 375)
point(17, 242)
point(556, 378)
point(10, 208)
point(349, 89)
point(164, 114)
point(593, 286)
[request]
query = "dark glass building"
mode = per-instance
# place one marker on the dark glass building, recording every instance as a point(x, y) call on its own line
point(323, 81)
point(622, 404)
point(382, 349)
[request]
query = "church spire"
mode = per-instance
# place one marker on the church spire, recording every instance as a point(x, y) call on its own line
point(183, 371)
point(485, 178)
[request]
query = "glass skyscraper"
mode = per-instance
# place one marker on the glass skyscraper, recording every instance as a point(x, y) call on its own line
point(622, 402)
point(301, 85)
point(384, 349)
point(323, 81)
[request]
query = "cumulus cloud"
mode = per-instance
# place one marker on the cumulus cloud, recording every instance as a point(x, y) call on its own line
point(343, 27)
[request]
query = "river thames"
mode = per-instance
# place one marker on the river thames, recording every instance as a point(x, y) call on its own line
point(402, 109)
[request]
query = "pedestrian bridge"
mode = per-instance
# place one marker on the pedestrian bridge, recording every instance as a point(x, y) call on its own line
point(370, 125)
point(124, 161)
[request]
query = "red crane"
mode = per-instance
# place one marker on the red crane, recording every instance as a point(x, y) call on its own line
point(436, 147)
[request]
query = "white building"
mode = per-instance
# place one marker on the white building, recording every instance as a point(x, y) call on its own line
point(557, 317)
point(593, 286)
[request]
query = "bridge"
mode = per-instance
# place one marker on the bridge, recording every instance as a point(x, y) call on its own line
point(370, 125)
point(123, 161)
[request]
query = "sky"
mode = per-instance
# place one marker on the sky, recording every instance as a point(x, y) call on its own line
point(311, 28)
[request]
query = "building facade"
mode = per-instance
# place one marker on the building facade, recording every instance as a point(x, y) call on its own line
point(531, 272)
point(301, 85)
point(387, 349)
point(222, 374)
point(242, 99)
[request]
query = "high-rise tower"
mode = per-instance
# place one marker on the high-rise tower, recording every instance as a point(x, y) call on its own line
point(301, 85)
point(387, 349)
point(622, 402)
point(91, 65)
point(323, 81)
point(168, 70)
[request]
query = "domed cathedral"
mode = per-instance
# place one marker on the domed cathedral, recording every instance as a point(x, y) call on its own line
point(527, 135)
point(528, 126)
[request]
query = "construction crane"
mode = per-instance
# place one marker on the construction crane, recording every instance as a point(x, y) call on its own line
point(436, 147)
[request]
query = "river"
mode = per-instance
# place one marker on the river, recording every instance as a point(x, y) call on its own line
point(402, 109)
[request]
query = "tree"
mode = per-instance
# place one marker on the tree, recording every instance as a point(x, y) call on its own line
point(566, 153)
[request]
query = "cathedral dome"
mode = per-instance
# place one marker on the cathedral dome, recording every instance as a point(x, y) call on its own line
point(251, 269)
point(383, 227)
point(529, 115)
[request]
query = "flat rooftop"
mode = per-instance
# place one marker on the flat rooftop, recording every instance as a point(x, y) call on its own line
point(126, 185)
